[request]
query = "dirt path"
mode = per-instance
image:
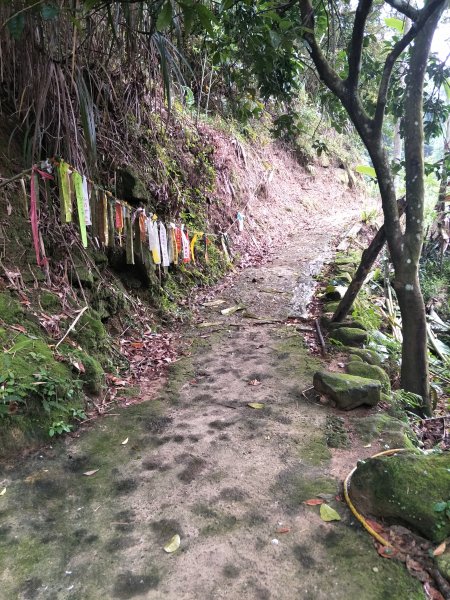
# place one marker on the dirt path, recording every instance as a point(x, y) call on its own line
point(229, 479)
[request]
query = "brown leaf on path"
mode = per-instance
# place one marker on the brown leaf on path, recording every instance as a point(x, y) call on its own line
point(314, 501)
point(283, 530)
point(137, 344)
point(254, 382)
point(375, 526)
point(440, 549)
point(417, 570)
point(431, 592)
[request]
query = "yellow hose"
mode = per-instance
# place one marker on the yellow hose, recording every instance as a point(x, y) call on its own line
point(360, 518)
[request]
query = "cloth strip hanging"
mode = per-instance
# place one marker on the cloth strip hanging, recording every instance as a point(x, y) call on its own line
point(87, 207)
point(78, 185)
point(64, 192)
point(163, 243)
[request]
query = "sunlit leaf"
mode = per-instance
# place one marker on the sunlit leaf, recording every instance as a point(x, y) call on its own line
point(396, 24)
point(328, 514)
point(366, 170)
point(173, 544)
point(256, 405)
point(125, 441)
point(3, 492)
point(89, 473)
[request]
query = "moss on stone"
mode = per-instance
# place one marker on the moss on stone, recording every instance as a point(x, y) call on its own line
point(407, 487)
point(355, 358)
point(393, 432)
point(49, 302)
point(330, 307)
point(348, 391)
point(362, 369)
point(366, 354)
point(443, 564)
point(90, 332)
point(350, 336)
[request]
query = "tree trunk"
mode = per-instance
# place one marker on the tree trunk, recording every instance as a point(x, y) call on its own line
point(368, 258)
point(414, 371)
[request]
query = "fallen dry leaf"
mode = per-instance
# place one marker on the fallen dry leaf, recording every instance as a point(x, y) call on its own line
point(137, 344)
point(283, 530)
point(3, 492)
point(440, 549)
point(375, 526)
point(254, 382)
point(432, 592)
point(173, 544)
point(125, 441)
point(89, 473)
point(314, 502)
point(256, 405)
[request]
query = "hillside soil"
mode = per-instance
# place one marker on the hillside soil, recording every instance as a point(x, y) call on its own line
point(89, 517)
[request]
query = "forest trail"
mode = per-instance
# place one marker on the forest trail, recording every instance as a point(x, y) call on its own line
point(201, 463)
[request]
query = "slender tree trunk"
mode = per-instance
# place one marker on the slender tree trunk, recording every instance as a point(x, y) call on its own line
point(368, 258)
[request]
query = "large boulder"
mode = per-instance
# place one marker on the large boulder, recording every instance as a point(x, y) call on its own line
point(410, 488)
point(363, 369)
point(350, 336)
point(348, 391)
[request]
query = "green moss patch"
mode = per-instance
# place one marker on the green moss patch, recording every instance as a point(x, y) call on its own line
point(336, 433)
point(391, 431)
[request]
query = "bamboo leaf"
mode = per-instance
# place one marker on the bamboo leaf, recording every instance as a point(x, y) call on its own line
point(164, 17)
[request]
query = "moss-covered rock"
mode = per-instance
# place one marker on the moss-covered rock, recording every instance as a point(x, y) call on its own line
point(90, 332)
point(355, 358)
point(366, 354)
point(331, 307)
point(91, 371)
point(49, 302)
point(350, 336)
point(11, 311)
point(443, 564)
point(81, 274)
point(348, 391)
point(351, 323)
point(363, 369)
point(392, 432)
point(407, 487)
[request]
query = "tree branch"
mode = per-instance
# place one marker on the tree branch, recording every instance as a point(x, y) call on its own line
point(405, 8)
point(399, 47)
point(356, 45)
point(326, 73)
